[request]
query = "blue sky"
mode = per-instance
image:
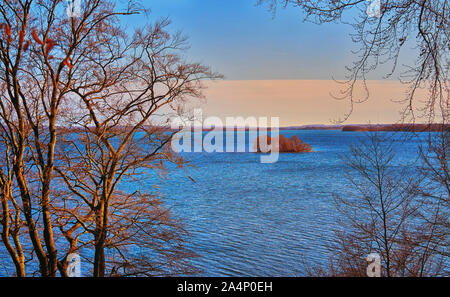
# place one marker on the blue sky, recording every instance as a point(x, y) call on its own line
point(292, 60)
point(243, 41)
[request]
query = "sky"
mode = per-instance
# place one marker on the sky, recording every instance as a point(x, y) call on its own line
point(273, 65)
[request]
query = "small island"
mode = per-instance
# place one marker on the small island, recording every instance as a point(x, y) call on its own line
point(286, 145)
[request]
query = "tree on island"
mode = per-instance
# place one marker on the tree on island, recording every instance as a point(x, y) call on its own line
point(264, 144)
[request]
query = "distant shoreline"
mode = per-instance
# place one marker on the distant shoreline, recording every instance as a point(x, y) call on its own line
point(352, 128)
point(344, 128)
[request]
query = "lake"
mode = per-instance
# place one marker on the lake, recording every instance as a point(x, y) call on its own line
point(251, 219)
point(246, 218)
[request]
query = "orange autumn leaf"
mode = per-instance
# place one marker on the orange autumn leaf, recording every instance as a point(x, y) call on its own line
point(21, 37)
point(36, 37)
point(50, 44)
point(67, 63)
point(27, 44)
point(7, 29)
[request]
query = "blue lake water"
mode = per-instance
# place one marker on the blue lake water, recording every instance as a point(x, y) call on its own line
point(246, 218)
point(251, 219)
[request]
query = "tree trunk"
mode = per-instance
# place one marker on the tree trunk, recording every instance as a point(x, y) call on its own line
point(16, 256)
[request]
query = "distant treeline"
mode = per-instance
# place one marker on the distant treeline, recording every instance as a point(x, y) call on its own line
point(398, 128)
point(345, 128)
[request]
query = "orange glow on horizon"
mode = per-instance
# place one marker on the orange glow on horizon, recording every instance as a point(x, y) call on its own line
point(301, 102)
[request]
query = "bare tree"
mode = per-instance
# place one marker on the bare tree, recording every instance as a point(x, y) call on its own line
point(83, 72)
point(434, 192)
point(407, 222)
point(119, 141)
point(36, 72)
point(382, 214)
